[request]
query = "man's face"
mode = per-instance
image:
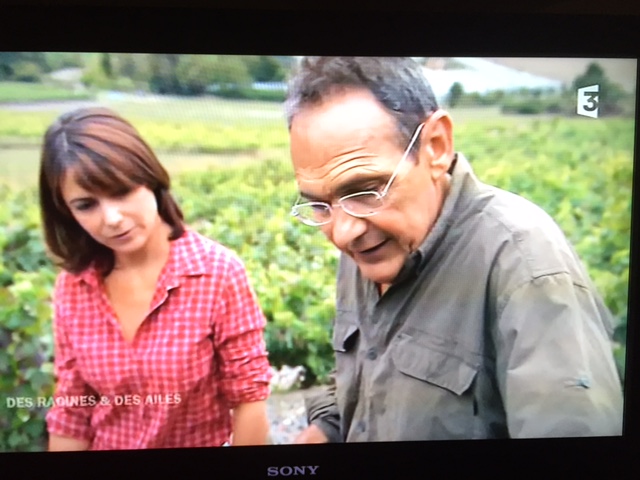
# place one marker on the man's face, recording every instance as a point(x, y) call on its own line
point(348, 144)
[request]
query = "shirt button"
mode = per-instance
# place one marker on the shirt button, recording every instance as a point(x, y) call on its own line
point(372, 354)
point(361, 426)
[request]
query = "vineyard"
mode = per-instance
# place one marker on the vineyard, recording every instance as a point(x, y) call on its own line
point(578, 170)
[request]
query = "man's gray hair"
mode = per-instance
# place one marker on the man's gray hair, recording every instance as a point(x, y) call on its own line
point(399, 84)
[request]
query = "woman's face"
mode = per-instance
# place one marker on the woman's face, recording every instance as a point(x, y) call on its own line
point(123, 222)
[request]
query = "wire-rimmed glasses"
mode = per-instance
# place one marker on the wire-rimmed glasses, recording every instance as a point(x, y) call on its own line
point(359, 204)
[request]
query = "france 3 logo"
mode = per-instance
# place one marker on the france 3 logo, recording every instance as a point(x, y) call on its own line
point(588, 98)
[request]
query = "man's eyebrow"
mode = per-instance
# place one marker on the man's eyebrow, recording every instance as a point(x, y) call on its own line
point(310, 197)
point(357, 184)
point(360, 183)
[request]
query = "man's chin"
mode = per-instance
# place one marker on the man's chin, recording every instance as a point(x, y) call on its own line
point(381, 276)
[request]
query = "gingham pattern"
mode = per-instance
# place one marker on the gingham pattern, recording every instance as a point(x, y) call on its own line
point(202, 341)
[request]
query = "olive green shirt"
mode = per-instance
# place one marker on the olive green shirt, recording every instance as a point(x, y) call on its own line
point(492, 330)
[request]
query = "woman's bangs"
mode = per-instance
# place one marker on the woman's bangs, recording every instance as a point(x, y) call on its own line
point(109, 173)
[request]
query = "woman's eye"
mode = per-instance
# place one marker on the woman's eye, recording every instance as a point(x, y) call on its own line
point(83, 206)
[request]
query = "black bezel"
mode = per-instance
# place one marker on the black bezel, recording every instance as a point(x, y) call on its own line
point(145, 29)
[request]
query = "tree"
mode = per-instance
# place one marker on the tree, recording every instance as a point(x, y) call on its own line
point(265, 69)
point(132, 65)
point(105, 64)
point(612, 96)
point(28, 65)
point(60, 60)
point(197, 73)
point(455, 94)
point(162, 69)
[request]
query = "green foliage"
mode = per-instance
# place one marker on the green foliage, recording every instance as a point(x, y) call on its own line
point(265, 69)
point(101, 74)
point(26, 344)
point(197, 74)
point(26, 72)
point(14, 92)
point(172, 135)
point(163, 73)
point(252, 94)
point(60, 60)
point(21, 65)
point(455, 94)
point(611, 95)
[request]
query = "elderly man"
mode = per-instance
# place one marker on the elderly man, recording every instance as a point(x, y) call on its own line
point(462, 311)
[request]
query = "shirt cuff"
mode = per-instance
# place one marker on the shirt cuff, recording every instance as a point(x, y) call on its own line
point(330, 427)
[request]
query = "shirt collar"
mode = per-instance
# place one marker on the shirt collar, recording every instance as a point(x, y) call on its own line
point(461, 173)
point(186, 258)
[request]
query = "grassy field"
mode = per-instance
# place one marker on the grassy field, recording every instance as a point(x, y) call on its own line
point(36, 92)
point(187, 133)
point(19, 166)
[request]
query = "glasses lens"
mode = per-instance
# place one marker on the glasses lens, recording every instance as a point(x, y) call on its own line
point(362, 204)
point(313, 213)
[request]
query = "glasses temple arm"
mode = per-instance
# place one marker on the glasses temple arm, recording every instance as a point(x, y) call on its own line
point(404, 156)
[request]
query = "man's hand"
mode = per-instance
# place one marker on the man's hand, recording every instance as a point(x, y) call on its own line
point(311, 434)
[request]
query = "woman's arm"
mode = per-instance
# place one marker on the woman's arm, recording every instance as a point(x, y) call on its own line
point(69, 427)
point(250, 424)
point(242, 356)
point(58, 443)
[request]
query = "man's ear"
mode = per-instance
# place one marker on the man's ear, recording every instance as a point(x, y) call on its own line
point(436, 143)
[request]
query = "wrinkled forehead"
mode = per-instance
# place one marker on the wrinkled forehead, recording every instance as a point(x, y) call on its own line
point(334, 151)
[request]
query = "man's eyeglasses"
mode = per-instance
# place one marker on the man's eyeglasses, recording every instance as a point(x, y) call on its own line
point(359, 205)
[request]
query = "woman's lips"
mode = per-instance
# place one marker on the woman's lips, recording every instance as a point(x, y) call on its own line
point(121, 235)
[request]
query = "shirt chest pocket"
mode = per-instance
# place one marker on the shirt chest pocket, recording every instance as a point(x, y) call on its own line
point(425, 363)
point(434, 390)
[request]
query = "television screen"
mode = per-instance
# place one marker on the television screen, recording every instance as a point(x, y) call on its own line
point(260, 245)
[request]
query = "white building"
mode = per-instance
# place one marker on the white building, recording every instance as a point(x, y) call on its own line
point(482, 76)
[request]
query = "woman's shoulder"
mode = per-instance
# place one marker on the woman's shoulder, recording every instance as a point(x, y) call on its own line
point(66, 279)
point(204, 253)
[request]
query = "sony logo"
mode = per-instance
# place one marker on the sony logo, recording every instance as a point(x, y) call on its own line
point(287, 471)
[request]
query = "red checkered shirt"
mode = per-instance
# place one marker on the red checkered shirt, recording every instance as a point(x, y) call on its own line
point(199, 352)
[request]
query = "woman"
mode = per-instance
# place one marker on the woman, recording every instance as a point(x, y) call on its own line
point(158, 336)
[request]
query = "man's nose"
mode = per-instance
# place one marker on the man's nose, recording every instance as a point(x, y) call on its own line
point(111, 213)
point(345, 228)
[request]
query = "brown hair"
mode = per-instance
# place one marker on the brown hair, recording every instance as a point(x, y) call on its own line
point(108, 157)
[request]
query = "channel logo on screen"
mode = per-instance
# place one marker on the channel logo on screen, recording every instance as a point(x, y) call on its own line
point(588, 101)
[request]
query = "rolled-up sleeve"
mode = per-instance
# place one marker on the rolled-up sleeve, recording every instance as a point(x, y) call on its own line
point(239, 340)
point(322, 411)
point(555, 364)
point(62, 419)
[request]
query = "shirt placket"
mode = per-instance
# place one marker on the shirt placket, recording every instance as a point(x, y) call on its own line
point(130, 368)
point(382, 315)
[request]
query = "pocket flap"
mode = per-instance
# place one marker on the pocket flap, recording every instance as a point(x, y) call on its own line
point(344, 334)
point(439, 368)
